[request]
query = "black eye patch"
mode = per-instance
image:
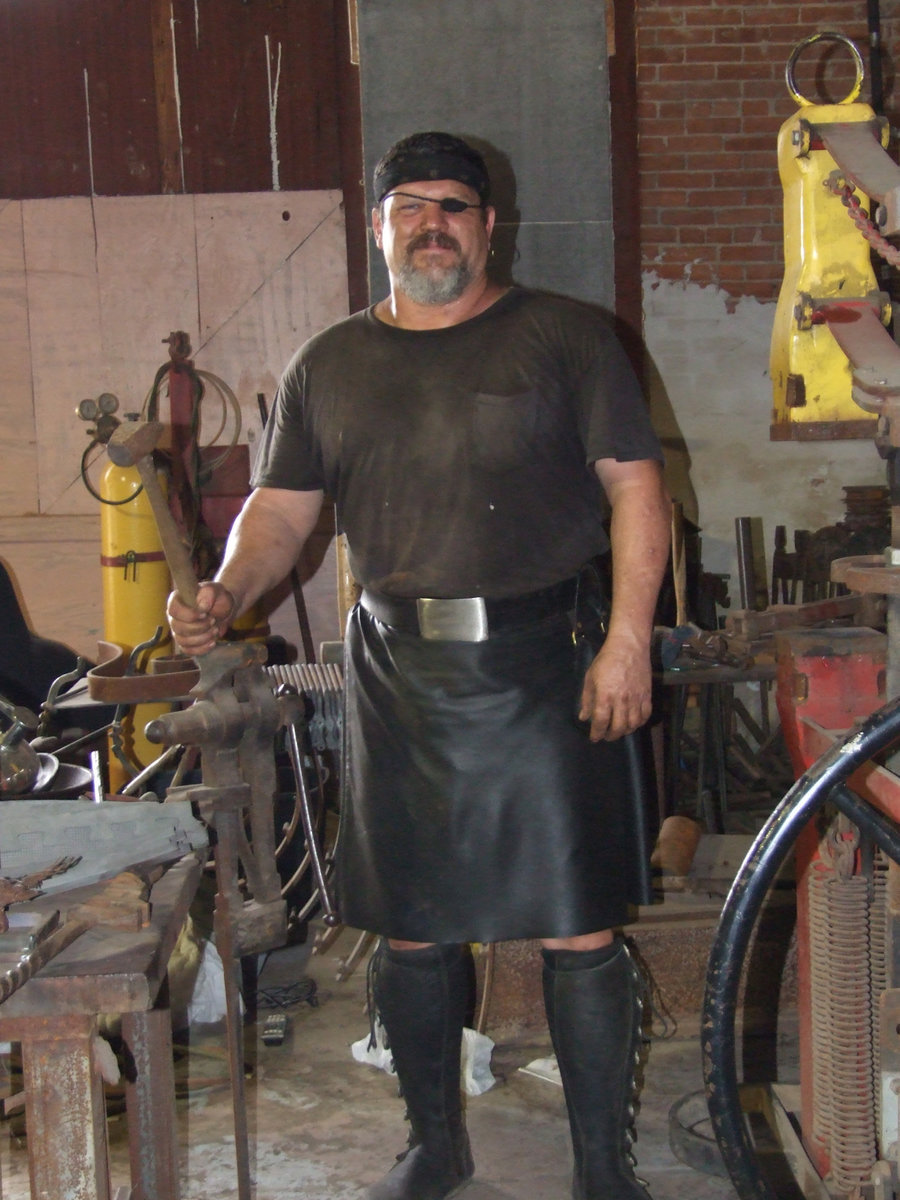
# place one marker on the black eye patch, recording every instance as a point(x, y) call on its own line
point(449, 204)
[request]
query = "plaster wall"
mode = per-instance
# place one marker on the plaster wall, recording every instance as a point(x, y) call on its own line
point(527, 83)
point(711, 401)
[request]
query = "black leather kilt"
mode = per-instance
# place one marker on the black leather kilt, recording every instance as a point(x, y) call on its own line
point(474, 806)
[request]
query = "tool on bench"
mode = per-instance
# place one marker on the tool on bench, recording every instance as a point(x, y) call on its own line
point(120, 901)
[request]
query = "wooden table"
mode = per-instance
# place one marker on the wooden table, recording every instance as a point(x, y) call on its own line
point(54, 1017)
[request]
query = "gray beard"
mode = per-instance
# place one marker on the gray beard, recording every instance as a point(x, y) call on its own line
point(425, 287)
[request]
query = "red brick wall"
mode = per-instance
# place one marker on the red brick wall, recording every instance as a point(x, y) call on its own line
point(711, 99)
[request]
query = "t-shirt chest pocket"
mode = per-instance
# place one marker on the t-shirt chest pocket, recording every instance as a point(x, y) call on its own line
point(503, 429)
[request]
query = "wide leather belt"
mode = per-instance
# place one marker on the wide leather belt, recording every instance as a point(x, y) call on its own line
point(467, 618)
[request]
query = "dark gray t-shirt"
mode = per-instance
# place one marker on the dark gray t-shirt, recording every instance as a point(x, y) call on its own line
point(459, 459)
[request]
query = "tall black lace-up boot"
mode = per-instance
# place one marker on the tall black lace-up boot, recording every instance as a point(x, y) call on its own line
point(421, 997)
point(592, 998)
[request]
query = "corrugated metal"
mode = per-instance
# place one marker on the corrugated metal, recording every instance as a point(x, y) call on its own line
point(131, 97)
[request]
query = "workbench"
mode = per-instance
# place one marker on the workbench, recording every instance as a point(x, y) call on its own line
point(55, 1018)
point(714, 686)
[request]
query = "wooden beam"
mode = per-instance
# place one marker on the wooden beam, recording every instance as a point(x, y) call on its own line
point(165, 77)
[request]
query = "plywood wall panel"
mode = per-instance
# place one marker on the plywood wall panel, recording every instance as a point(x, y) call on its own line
point(109, 279)
point(105, 282)
point(147, 283)
point(54, 565)
point(256, 306)
point(66, 362)
point(240, 248)
point(18, 479)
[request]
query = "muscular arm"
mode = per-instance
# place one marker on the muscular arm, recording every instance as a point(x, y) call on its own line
point(616, 695)
point(263, 545)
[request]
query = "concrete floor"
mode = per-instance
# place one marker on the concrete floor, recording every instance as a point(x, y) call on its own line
point(324, 1126)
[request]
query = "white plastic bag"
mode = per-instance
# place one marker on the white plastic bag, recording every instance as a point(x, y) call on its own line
point(475, 1062)
point(207, 1003)
point(377, 1055)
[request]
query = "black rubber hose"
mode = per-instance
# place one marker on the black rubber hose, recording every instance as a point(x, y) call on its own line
point(821, 782)
point(90, 487)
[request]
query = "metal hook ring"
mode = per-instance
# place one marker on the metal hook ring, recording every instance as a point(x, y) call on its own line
point(797, 96)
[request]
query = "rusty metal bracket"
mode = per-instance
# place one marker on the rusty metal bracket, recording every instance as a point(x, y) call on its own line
point(858, 148)
point(873, 354)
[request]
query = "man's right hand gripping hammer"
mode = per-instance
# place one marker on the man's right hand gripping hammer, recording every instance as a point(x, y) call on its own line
point(197, 628)
point(198, 613)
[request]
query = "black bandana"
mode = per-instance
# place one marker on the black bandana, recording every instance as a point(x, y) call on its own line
point(424, 156)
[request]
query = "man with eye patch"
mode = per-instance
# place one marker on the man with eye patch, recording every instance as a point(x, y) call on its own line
point(475, 440)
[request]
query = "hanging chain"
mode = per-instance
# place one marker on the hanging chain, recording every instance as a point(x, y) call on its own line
point(860, 218)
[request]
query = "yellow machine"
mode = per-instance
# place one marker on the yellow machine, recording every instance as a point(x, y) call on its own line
point(827, 262)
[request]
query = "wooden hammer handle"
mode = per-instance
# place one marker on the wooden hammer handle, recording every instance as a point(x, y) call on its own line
point(180, 565)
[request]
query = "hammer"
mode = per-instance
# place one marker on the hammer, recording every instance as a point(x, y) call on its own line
point(132, 445)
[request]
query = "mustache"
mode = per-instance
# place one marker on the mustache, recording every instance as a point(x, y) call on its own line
point(425, 241)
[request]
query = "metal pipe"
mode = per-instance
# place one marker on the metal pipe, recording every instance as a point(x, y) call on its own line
point(134, 785)
point(876, 74)
point(330, 914)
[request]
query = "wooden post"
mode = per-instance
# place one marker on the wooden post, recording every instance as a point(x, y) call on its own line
point(166, 80)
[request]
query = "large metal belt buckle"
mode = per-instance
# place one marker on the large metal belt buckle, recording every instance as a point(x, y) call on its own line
point(460, 619)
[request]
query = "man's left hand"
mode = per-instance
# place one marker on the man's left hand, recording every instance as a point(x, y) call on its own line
point(616, 697)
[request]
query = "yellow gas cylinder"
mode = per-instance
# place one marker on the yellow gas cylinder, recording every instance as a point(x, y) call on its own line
point(136, 584)
point(252, 626)
point(826, 258)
